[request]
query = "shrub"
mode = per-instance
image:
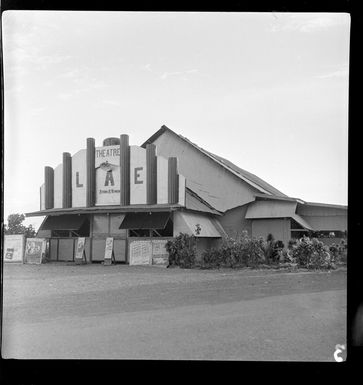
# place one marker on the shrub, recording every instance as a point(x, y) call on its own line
point(312, 254)
point(182, 251)
point(243, 251)
point(339, 251)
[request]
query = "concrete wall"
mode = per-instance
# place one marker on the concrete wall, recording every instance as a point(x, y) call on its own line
point(279, 228)
point(234, 222)
point(204, 176)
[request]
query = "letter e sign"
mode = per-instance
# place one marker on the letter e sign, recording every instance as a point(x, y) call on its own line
point(137, 175)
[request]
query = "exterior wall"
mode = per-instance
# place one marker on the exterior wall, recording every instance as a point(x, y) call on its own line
point(328, 223)
point(234, 222)
point(324, 217)
point(108, 226)
point(279, 228)
point(212, 182)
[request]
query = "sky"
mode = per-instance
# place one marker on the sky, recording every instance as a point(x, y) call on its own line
point(267, 91)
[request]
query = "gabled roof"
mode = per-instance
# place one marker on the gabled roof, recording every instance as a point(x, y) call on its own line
point(246, 176)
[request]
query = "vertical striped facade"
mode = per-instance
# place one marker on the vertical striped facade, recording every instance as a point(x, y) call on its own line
point(132, 175)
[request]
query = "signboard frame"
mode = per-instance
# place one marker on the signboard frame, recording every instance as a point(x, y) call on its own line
point(80, 256)
point(34, 251)
point(15, 243)
point(109, 257)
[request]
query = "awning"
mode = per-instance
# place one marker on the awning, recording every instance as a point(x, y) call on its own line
point(302, 222)
point(270, 209)
point(186, 222)
point(153, 220)
point(64, 222)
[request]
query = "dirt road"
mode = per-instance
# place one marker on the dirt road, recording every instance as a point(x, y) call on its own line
point(127, 312)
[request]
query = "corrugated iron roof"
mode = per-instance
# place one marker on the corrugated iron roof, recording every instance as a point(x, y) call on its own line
point(194, 202)
point(63, 222)
point(302, 221)
point(105, 209)
point(270, 209)
point(248, 177)
point(134, 221)
point(189, 221)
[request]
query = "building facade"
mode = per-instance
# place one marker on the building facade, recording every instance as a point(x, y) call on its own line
point(144, 195)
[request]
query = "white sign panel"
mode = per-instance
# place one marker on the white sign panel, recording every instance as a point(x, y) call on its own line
point(140, 253)
point(109, 248)
point(137, 175)
point(160, 255)
point(79, 182)
point(162, 180)
point(58, 186)
point(35, 250)
point(13, 248)
point(107, 163)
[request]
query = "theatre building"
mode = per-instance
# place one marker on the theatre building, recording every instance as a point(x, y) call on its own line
point(144, 195)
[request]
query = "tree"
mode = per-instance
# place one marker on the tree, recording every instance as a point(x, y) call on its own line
point(15, 226)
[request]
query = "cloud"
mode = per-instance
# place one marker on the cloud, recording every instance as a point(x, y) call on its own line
point(111, 102)
point(340, 73)
point(177, 73)
point(147, 67)
point(305, 22)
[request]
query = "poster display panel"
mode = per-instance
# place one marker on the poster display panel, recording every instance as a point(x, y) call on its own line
point(14, 248)
point(140, 253)
point(35, 250)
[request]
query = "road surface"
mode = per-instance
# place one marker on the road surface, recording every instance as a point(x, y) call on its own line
point(60, 310)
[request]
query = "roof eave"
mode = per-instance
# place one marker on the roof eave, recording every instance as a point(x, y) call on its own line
point(105, 209)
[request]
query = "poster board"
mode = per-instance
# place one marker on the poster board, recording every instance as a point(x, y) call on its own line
point(14, 248)
point(80, 256)
point(34, 250)
point(140, 253)
point(109, 254)
point(160, 255)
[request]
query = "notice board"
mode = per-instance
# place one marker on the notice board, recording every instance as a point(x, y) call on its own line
point(80, 252)
point(14, 248)
point(149, 252)
point(34, 250)
point(140, 253)
point(160, 255)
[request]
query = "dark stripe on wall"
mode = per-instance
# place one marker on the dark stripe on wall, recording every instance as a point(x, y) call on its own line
point(91, 173)
point(67, 180)
point(173, 181)
point(151, 174)
point(124, 170)
point(49, 187)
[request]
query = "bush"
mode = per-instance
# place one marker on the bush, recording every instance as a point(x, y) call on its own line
point(312, 254)
point(240, 252)
point(339, 252)
point(182, 251)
